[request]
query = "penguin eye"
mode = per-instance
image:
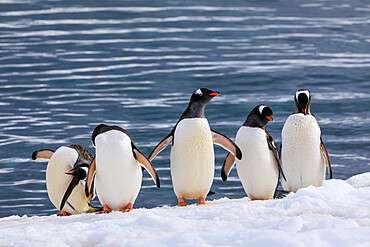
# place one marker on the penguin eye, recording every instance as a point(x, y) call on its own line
point(199, 92)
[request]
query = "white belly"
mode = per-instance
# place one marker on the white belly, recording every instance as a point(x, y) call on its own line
point(192, 159)
point(57, 181)
point(302, 160)
point(118, 174)
point(257, 169)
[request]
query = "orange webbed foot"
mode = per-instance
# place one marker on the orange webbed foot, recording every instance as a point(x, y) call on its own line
point(182, 202)
point(63, 214)
point(202, 201)
point(128, 208)
point(106, 210)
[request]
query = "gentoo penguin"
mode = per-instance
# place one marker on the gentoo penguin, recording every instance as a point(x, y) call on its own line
point(302, 147)
point(116, 169)
point(192, 154)
point(65, 178)
point(260, 166)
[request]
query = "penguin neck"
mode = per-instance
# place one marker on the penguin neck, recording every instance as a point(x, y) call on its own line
point(194, 110)
point(299, 109)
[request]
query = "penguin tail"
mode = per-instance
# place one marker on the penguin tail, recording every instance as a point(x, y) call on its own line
point(94, 209)
point(279, 194)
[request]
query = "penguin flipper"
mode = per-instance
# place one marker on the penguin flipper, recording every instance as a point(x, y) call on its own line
point(42, 154)
point(72, 185)
point(226, 143)
point(94, 209)
point(161, 146)
point(227, 166)
point(272, 146)
point(281, 148)
point(90, 181)
point(144, 162)
point(279, 194)
point(323, 148)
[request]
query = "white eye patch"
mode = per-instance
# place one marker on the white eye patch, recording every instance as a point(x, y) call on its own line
point(199, 92)
point(302, 91)
point(85, 169)
point(260, 108)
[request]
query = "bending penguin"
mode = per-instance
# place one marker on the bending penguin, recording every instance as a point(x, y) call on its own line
point(260, 166)
point(116, 169)
point(65, 178)
point(303, 150)
point(192, 154)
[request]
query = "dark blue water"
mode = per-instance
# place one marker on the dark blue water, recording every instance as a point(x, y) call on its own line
point(64, 68)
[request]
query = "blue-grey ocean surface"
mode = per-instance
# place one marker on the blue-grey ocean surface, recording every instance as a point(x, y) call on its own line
point(66, 66)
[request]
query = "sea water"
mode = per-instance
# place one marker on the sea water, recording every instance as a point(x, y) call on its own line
point(66, 67)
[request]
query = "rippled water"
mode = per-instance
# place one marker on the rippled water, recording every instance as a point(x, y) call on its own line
point(66, 68)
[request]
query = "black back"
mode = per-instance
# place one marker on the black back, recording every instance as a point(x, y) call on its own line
point(102, 128)
point(83, 153)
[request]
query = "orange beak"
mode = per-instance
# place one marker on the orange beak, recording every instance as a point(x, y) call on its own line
point(70, 172)
point(268, 118)
point(214, 93)
point(304, 110)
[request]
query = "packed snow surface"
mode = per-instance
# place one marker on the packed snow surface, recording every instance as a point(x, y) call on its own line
point(335, 214)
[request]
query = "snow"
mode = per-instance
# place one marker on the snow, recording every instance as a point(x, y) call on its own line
point(335, 214)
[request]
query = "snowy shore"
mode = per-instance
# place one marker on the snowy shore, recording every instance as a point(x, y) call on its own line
point(336, 214)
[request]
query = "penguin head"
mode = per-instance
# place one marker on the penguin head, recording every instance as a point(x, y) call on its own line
point(198, 101)
point(203, 96)
point(81, 172)
point(302, 100)
point(259, 117)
